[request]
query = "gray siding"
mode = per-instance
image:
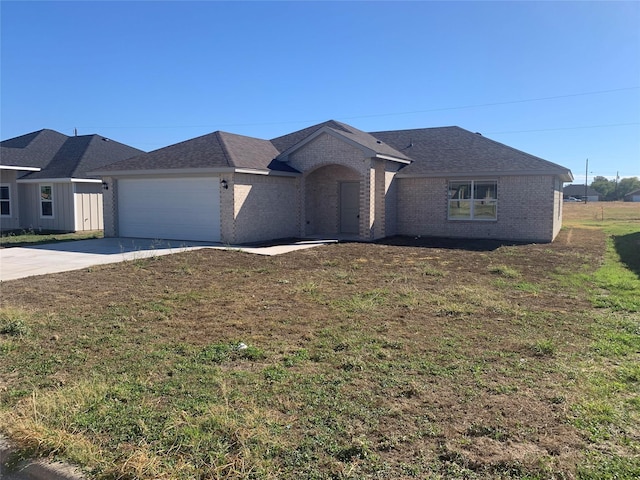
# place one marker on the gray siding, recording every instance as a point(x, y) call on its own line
point(11, 222)
point(63, 207)
point(88, 206)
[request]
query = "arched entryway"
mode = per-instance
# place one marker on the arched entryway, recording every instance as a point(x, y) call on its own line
point(332, 201)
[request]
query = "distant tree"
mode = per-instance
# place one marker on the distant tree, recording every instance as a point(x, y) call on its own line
point(627, 185)
point(605, 187)
point(612, 190)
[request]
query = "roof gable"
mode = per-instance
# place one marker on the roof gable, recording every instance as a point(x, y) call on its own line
point(285, 142)
point(370, 145)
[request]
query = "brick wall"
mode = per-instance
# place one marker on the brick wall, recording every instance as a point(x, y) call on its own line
point(110, 207)
point(525, 210)
point(557, 207)
point(390, 195)
point(264, 207)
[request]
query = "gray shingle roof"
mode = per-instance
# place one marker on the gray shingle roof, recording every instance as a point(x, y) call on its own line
point(432, 151)
point(214, 150)
point(61, 156)
point(454, 150)
point(35, 149)
point(248, 152)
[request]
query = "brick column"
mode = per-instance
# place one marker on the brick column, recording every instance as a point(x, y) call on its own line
point(109, 207)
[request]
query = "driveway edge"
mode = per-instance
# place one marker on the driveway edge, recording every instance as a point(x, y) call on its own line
point(35, 469)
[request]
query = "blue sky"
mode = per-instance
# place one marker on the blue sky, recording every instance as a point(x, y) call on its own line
point(560, 80)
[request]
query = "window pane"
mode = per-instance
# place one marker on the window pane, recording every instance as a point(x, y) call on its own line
point(4, 193)
point(47, 209)
point(459, 190)
point(484, 209)
point(5, 208)
point(485, 190)
point(460, 209)
point(45, 192)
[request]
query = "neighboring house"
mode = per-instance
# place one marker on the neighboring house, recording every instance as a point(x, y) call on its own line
point(577, 191)
point(44, 184)
point(333, 180)
point(632, 196)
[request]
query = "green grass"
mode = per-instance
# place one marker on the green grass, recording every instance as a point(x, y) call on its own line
point(504, 270)
point(31, 237)
point(608, 410)
point(619, 277)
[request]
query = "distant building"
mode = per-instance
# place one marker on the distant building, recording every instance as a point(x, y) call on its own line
point(577, 191)
point(632, 196)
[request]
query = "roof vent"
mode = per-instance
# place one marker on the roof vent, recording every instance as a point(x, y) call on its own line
point(478, 133)
point(378, 141)
point(105, 140)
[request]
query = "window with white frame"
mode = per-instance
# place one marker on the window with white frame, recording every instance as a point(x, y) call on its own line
point(473, 200)
point(46, 200)
point(5, 200)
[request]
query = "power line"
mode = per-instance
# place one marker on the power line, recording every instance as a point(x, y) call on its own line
point(460, 107)
point(510, 102)
point(565, 128)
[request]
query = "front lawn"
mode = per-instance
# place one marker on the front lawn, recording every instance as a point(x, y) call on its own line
point(407, 359)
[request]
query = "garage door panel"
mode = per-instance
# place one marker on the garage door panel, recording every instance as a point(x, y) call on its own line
point(177, 208)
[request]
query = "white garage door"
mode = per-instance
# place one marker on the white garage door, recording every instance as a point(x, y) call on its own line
point(170, 208)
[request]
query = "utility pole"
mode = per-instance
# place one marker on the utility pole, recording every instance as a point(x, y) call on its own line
point(586, 176)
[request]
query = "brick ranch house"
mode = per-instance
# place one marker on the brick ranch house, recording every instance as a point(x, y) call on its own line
point(332, 180)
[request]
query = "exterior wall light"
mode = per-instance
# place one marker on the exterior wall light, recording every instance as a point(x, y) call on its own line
point(105, 186)
point(224, 184)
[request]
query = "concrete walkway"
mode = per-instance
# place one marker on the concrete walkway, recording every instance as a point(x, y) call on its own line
point(21, 262)
point(34, 469)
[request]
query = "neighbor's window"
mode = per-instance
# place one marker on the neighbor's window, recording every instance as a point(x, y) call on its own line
point(473, 200)
point(5, 201)
point(46, 200)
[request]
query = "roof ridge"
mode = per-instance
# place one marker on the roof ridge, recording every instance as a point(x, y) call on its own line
point(417, 129)
point(225, 147)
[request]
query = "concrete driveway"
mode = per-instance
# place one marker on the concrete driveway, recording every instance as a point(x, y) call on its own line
point(20, 262)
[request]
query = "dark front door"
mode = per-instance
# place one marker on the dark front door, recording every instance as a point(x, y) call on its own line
point(350, 207)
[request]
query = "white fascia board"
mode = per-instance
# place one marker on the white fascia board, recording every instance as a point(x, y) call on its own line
point(276, 173)
point(163, 172)
point(26, 169)
point(59, 180)
point(392, 159)
point(192, 171)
